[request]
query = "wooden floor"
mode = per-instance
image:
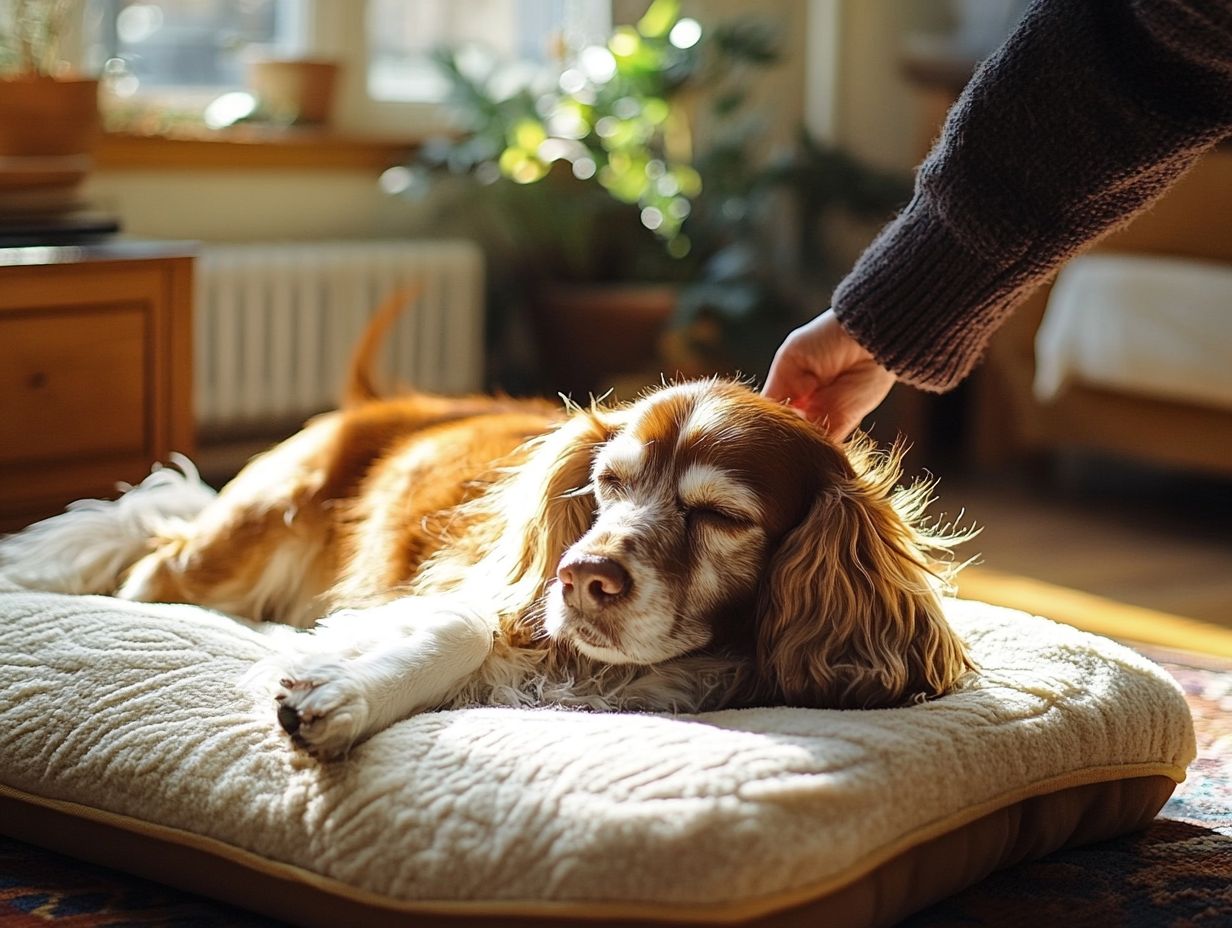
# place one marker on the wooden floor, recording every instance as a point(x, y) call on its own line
point(1133, 554)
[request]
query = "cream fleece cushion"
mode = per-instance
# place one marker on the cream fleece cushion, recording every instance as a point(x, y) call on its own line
point(134, 709)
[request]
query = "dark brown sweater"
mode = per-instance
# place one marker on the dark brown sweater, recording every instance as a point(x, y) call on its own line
point(1087, 113)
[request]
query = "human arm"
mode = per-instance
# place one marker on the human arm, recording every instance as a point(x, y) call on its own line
point(1083, 118)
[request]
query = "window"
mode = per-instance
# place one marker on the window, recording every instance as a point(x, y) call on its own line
point(401, 35)
point(164, 60)
point(187, 45)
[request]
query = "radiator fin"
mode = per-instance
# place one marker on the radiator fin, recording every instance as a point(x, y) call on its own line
point(276, 323)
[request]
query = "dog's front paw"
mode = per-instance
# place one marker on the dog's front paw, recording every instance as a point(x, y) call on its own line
point(322, 708)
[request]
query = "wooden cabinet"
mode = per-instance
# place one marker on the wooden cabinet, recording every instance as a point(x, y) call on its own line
point(95, 370)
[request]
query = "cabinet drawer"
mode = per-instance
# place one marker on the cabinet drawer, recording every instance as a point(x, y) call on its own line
point(74, 382)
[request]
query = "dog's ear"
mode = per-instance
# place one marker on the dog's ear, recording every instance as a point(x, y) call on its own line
point(551, 504)
point(848, 615)
point(541, 507)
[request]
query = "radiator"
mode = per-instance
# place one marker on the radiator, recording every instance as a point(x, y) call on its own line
point(276, 323)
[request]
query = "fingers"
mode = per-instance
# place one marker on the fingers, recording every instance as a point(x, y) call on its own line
point(828, 376)
point(839, 407)
point(837, 419)
point(864, 388)
point(829, 406)
point(795, 387)
point(790, 378)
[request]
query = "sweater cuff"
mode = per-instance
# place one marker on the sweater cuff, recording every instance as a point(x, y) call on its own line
point(922, 303)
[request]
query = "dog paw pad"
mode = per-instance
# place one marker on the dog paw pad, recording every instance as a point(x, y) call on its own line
point(322, 709)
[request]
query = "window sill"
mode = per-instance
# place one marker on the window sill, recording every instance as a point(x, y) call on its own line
point(250, 147)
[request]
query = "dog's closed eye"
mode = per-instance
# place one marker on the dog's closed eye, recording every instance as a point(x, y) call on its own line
point(716, 516)
point(611, 483)
point(711, 495)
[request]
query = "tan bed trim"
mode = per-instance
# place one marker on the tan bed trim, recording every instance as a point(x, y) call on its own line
point(926, 865)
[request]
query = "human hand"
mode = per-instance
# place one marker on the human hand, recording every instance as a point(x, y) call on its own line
point(827, 376)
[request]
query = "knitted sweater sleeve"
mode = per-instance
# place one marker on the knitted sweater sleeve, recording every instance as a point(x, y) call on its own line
point(1079, 121)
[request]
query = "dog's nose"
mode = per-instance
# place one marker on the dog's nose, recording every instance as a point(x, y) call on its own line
point(592, 581)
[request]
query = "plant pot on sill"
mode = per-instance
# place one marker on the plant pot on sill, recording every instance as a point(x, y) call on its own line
point(49, 128)
point(294, 91)
point(589, 335)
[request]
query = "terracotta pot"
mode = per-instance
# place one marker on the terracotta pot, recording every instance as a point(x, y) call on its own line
point(590, 335)
point(294, 91)
point(48, 131)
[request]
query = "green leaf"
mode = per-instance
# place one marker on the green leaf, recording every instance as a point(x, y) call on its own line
point(528, 134)
point(659, 19)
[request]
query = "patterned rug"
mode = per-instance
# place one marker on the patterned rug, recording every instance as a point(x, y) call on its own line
point(1176, 874)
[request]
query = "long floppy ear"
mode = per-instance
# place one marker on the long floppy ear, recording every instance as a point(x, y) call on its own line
point(548, 505)
point(849, 614)
point(522, 526)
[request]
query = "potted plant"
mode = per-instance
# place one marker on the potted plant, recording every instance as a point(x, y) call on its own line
point(577, 181)
point(49, 120)
point(605, 219)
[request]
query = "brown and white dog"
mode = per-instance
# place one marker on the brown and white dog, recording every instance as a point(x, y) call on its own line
point(699, 548)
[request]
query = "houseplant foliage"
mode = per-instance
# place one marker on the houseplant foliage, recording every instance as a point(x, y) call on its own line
point(31, 32)
point(591, 172)
point(599, 148)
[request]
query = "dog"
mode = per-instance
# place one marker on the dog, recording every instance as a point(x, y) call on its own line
point(699, 548)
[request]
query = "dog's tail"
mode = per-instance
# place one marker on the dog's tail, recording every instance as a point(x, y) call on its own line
point(89, 547)
point(359, 386)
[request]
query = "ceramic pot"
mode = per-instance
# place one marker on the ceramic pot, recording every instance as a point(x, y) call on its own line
point(589, 335)
point(298, 92)
point(49, 128)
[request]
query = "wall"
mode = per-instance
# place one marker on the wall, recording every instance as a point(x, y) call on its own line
point(218, 205)
point(858, 97)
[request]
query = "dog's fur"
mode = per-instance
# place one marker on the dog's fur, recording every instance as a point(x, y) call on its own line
point(699, 548)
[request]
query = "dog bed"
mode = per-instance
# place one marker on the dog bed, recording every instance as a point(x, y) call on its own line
point(126, 741)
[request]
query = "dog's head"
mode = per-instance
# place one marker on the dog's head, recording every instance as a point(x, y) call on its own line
point(708, 516)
